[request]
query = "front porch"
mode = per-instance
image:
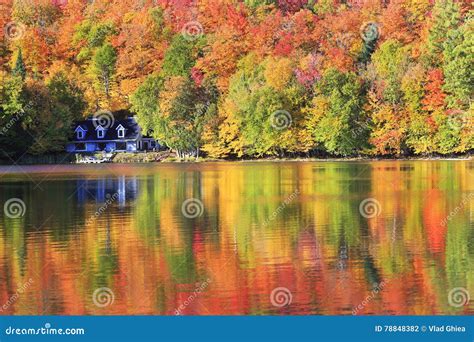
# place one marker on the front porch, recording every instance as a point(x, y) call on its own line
point(103, 146)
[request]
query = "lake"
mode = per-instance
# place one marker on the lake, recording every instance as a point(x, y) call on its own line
point(243, 238)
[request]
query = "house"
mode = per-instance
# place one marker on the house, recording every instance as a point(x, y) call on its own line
point(122, 136)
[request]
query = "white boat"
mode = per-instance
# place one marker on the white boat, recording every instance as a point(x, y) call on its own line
point(94, 160)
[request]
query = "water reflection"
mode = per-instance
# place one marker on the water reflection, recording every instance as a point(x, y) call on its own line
point(296, 228)
point(121, 188)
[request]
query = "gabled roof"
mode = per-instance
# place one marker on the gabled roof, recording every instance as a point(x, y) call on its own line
point(132, 130)
point(80, 128)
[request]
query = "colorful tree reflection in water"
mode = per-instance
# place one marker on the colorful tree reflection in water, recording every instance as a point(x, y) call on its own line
point(267, 238)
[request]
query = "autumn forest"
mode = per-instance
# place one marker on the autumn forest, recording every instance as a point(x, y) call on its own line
point(242, 79)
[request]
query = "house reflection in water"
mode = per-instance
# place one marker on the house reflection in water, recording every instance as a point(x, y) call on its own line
point(119, 189)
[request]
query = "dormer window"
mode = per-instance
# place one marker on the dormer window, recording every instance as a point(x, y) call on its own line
point(100, 132)
point(121, 131)
point(80, 133)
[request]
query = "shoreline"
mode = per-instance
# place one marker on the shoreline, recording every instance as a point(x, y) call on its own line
point(157, 158)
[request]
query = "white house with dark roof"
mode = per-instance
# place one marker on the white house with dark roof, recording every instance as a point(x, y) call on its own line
point(122, 136)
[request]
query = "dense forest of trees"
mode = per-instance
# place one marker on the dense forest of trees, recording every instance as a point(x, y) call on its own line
point(250, 78)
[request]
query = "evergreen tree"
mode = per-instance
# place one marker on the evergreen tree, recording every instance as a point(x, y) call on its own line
point(20, 68)
point(446, 17)
point(370, 36)
point(457, 66)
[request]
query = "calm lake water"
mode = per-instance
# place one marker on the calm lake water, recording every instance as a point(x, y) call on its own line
point(293, 238)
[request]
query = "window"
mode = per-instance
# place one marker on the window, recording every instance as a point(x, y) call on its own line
point(100, 133)
point(80, 134)
point(121, 133)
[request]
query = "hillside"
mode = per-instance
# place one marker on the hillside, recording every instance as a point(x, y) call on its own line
point(251, 78)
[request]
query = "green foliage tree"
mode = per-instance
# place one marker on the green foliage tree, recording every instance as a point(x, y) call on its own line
point(267, 106)
point(179, 57)
point(20, 68)
point(12, 112)
point(176, 111)
point(339, 126)
point(52, 109)
point(458, 61)
point(145, 104)
point(419, 133)
point(370, 37)
point(36, 118)
point(104, 66)
point(446, 16)
point(391, 61)
point(90, 35)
